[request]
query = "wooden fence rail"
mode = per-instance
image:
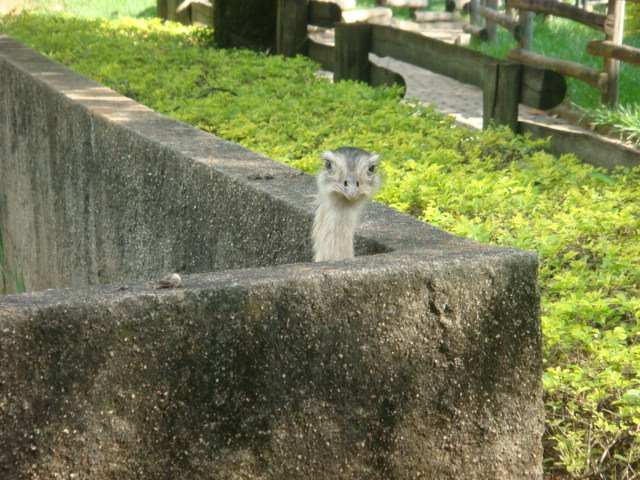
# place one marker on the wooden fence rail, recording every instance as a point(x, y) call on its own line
point(502, 19)
point(504, 84)
point(588, 75)
point(539, 88)
point(611, 49)
point(565, 10)
point(605, 48)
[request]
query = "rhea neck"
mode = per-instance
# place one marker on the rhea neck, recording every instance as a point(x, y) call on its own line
point(334, 226)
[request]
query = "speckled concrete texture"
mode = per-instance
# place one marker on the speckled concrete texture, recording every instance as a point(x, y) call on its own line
point(419, 358)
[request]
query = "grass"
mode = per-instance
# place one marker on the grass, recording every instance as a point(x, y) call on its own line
point(622, 121)
point(490, 186)
point(95, 9)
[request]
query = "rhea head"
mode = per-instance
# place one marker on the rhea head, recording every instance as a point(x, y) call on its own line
point(349, 174)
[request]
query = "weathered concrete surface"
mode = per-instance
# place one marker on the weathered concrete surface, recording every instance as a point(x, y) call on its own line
point(422, 361)
point(424, 369)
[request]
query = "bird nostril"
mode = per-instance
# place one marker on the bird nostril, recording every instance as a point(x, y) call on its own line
point(345, 183)
point(357, 184)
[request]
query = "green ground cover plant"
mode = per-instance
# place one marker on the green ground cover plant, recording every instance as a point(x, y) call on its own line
point(632, 20)
point(491, 186)
point(94, 8)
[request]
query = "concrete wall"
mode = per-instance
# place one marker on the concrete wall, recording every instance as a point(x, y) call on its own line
point(98, 189)
point(422, 361)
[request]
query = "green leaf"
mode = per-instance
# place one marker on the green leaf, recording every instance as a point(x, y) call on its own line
point(604, 178)
point(632, 397)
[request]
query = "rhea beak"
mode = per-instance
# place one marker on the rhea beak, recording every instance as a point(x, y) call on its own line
point(351, 187)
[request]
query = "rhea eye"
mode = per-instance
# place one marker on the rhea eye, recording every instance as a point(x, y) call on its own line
point(328, 165)
point(372, 168)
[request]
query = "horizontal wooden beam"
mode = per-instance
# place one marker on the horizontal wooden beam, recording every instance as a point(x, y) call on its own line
point(457, 62)
point(564, 10)
point(324, 14)
point(476, 31)
point(605, 48)
point(586, 74)
point(540, 88)
point(325, 55)
point(455, 5)
point(502, 19)
point(413, 4)
point(383, 76)
point(190, 3)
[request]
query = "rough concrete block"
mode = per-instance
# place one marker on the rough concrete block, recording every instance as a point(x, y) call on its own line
point(420, 358)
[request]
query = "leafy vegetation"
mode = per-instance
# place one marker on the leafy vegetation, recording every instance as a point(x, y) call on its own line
point(95, 9)
point(491, 186)
point(632, 20)
point(623, 121)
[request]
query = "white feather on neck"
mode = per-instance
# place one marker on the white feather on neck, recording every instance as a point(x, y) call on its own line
point(334, 226)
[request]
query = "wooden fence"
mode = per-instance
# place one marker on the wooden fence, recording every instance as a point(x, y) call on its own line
point(611, 48)
point(505, 84)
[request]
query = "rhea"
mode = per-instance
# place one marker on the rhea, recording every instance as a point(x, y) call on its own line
point(345, 184)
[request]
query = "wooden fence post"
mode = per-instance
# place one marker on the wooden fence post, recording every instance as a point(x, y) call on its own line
point(291, 27)
point(501, 94)
point(526, 30)
point(491, 26)
point(171, 6)
point(611, 65)
point(475, 18)
point(353, 43)
point(219, 32)
point(161, 9)
point(245, 24)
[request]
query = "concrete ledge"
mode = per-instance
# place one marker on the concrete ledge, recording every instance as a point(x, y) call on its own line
point(421, 358)
point(425, 369)
point(588, 146)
